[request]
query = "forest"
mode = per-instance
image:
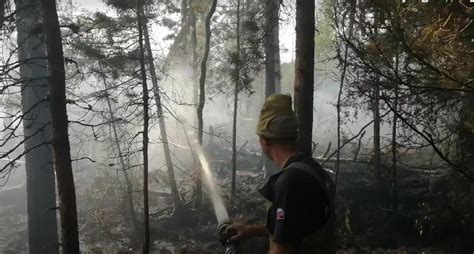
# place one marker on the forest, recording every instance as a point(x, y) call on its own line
point(128, 126)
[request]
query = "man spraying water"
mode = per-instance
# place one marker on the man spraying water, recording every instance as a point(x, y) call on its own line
point(300, 194)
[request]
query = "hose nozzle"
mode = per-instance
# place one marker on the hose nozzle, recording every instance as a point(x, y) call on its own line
point(231, 247)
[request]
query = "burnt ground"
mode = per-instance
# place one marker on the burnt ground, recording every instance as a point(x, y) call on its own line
point(366, 222)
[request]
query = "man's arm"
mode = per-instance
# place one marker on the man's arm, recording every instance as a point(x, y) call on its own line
point(258, 230)
point(247, 231)
point(278, 248)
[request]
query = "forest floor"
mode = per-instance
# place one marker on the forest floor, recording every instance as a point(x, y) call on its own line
point(105, 228)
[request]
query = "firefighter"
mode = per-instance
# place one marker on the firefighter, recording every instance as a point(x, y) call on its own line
point(301, 193)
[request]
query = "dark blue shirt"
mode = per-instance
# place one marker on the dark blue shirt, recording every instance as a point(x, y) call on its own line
point(299, 202)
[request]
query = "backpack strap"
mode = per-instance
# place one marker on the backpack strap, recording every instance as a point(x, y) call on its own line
point(324, 181)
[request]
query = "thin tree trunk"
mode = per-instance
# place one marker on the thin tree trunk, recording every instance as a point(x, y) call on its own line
point(277, 59)
point(304, 72)
point(202, 78)
point(234, 140)
point(394, 138)
point(341, 86)
point(394, 154)
point(59, 124)
point(272, 62)
point(271, 47)
point(184, 11)
point(141, 26)
point(202, 89)
point(40, 183)
point(194, 60)
point(195, 82)
point(161, 121)
point(359, 145)
point(327, 150)
point(129, 187)
point(332, 236)
point(2, 11)
point(236, 98)
point(376, 112)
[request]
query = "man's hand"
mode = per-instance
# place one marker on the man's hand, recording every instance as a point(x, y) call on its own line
point(241, 231)
point(246, 231)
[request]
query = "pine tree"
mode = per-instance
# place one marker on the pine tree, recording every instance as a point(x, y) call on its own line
point(59, 124)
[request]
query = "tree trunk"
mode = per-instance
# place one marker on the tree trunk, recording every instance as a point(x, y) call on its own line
point(394, 136)
point(272, 48)
point(394, 154)
point(161, 121)
point(196, 94)
point(341, 86)
point(359, 145)
point(272, 61)
point(141, 28)
point(328, 148)
point(59, 124)
point(202, 87)
point(40, 183)
point(277, 60)
point(2, 11)
point(236, 98)
point(376, 112)
point(304, 72)
point(202, 78)
point(129, 187)
point(184, 11)
point(234, 140)
point(194, 60)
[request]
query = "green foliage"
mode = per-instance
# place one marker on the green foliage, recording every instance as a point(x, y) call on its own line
point(250, 57)
point(167, 22)
point(122, 4)
point(108, 41)
point(325, 34)
point(88, 50)
point(422, 53)
point(250, 27)
point(433, 67)
point(126, 5)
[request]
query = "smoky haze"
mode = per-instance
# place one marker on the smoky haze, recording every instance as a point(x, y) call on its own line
point(392, 122)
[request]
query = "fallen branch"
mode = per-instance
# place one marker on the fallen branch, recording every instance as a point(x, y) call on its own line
point(427, 137)
point(351, 139)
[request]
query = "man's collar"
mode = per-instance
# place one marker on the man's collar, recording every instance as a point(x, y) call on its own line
point(292, 158)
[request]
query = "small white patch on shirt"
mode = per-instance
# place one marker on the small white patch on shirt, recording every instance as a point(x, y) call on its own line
point(280, 214)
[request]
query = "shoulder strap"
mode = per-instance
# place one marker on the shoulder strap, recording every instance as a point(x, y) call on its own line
point(310, 170)
point(326, 184)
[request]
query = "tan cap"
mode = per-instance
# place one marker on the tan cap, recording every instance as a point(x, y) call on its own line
point(277, 118)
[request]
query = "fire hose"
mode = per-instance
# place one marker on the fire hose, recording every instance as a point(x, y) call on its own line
point(224, 234)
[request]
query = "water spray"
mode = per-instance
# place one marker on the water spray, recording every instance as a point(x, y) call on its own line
point(217, 202)
point(224, 235)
